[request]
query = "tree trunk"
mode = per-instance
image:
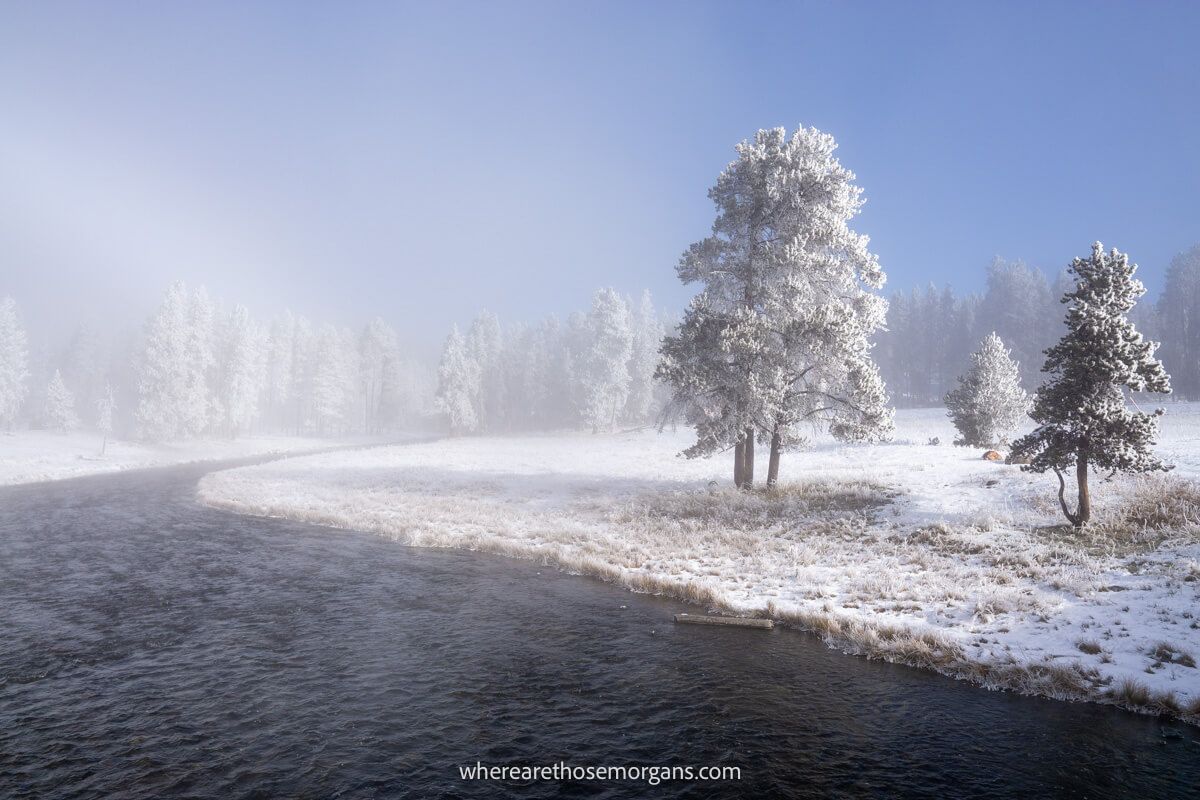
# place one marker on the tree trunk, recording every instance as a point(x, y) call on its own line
point(1083, 511)
point(739, 463)
point(748, 461)
point(773, 464)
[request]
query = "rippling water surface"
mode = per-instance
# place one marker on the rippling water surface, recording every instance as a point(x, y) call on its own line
point(150, 647)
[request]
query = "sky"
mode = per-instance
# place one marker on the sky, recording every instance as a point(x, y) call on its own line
point(422, 161)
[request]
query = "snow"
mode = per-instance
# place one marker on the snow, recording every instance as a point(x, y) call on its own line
point(872, 545)
point(31, 456)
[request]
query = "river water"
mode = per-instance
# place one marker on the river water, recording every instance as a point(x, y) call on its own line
point(151, 647)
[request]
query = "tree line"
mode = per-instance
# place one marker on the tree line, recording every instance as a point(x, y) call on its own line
point(931, 332)
point(195, 369)
point(594, 371)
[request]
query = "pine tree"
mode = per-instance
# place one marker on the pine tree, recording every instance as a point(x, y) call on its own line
point(643, 360)
point(303, 362)
point(198, 406)
point(780, 335)
point(1082, 417)
point(14, 363)
point(458, 385)
point(1179, 314)
point(163, 370)
point(60, 405)
point(988, 403)
point(486, 349)
point(606, 363)
point(278, 387)
point(329, 380)
point(240, 369)
point(377, 346)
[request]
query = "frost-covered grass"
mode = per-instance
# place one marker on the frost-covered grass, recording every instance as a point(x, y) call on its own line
point(31, 456)
point(908, 551)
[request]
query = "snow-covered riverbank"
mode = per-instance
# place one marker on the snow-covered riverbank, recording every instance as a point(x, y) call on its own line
point(915, 552)
point(32, 456)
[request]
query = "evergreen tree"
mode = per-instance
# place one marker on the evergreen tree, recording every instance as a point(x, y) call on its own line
point(198, 405)
point(14, 363)
point(1179, 321)
point(606, 364)
point(779, 336)
point(486, 348)
point(643, 360)
point(279, 382)
point(240, 372)
point(458, 385)
point(59, 411)
point(329, 380)
point(1082, 417)
point(164, 374)
point(377, 346)
point(989, 402)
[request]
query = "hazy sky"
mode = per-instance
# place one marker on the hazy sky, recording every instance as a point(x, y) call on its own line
point(421, 161)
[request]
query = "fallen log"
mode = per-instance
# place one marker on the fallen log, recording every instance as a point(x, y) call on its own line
point(740, 622)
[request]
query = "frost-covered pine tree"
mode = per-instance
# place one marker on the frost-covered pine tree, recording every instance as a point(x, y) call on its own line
point(458, 385)
point(779, 337)
point(164, 374)
point(301, 392)
point(1179, 314)
point(106, 406)
point(240, 370)
point(329, 380)
point(1083, 420)
point(643, 360)
point(278, 387)
point(606, 363)
point(377, 346)
point(486, 348)
point(59, 411)
point(14, 363)
point(199, 406)
point(988, 404)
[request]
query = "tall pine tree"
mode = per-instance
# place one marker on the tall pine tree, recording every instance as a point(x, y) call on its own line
point(779, 336)
point(1082, 417)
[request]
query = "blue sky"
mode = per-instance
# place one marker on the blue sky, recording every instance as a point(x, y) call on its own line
point(420, 161)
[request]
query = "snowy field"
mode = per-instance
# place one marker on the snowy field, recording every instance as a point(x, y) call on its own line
point(31, 456)
point(913, 552)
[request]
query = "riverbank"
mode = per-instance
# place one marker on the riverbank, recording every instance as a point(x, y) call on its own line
point(912, 552)
point(34, 456)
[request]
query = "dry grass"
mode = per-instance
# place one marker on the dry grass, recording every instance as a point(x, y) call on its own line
point(1131, 693)
point(730, 508)
point(1149, 510)
point(1167, 653)
point(1089, 646)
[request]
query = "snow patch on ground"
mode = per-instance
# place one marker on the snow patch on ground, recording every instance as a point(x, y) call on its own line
point(32, 456)
point(907, 550)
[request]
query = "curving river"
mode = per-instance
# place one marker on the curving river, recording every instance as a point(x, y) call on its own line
point(151, 647)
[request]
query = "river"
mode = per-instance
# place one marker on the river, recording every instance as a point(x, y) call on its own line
point(151, 647)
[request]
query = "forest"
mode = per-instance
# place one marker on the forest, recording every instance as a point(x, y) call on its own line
point(592, 369)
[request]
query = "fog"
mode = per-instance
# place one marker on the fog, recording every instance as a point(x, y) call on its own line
point(421, 163)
